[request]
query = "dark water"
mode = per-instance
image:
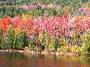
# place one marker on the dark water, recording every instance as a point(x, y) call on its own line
point(21, 60)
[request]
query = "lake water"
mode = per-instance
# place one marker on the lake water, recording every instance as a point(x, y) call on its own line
point(24, 60)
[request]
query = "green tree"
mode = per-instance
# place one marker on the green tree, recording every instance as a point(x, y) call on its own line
point(10, 38)
point(21, 40)
point(1, 38)
point(85, 48)
point(31, 44)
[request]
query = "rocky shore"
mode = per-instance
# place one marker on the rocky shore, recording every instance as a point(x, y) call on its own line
point(28, 52)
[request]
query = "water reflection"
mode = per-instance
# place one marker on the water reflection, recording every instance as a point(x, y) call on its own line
point(39, 60)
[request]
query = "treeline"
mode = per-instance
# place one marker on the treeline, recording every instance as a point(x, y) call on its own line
point(68, 7)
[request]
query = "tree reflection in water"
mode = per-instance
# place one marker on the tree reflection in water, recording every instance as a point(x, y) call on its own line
point(39, 60)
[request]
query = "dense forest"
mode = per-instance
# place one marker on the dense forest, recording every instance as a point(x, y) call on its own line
point(45, 25)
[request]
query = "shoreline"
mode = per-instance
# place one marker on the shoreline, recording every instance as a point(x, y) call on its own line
point(43, 52)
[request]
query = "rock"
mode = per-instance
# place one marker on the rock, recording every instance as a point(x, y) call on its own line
point(26, 50)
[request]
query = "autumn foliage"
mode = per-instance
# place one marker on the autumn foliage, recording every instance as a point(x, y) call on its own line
point(58, 28)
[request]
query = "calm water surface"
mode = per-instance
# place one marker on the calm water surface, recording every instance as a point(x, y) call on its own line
point(24, 60)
